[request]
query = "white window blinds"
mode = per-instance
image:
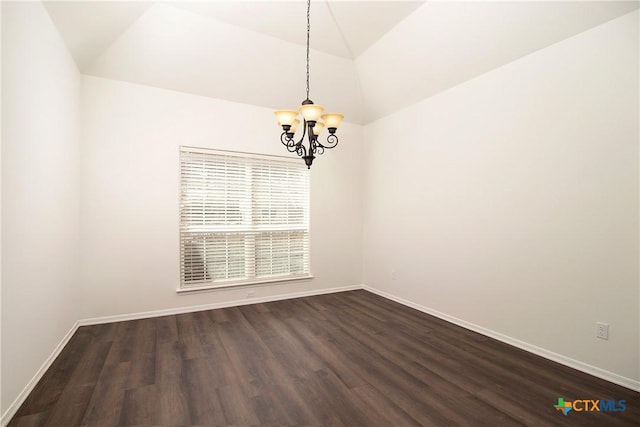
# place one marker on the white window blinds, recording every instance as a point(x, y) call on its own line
point(243, 218)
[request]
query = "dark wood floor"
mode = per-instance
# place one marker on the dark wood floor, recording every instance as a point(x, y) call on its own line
point(345, 359)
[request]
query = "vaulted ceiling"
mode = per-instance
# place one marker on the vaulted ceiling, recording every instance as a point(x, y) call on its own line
point(368, 58)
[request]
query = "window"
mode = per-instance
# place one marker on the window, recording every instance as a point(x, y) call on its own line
point(243, 218)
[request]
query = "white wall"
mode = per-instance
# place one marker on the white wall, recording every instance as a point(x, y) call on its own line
point(511, 201)
point(40, 193)
point(129, 202)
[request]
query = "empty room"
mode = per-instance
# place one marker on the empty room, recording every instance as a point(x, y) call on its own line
point(320, 213)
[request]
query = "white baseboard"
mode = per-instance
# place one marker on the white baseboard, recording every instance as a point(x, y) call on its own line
point(213, 306)
point(547, 354)
point(13, 408)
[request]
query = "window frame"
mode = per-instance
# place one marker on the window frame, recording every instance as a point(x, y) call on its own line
point(234, 283)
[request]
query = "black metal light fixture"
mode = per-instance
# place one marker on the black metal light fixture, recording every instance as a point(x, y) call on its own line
point(314, 122)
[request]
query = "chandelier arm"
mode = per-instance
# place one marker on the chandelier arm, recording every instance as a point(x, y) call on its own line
point(304, 130)
point(286, 141)
point(300, 150)
point(291, 147)
point(294, 147)
point(313, 139)
point(332, 141)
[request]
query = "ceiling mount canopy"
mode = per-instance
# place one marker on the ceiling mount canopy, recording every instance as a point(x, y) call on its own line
point(313, 121)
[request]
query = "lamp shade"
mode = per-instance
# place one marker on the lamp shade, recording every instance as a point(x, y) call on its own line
point(318, 127)
point(332, 120)
point(311, 112)
point(286, 117)
point(294, 126)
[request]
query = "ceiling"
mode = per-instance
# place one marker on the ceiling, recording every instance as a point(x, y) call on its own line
point(368, 59)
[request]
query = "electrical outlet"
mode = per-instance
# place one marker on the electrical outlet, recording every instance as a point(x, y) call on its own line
point(394, 275)
point(251, 294)
point(602, 330)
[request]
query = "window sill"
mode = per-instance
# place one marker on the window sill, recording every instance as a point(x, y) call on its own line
point(232, 285)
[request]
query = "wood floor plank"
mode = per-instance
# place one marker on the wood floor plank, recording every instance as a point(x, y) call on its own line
point(336, 360)
point(287, 405)
point(332, 402)
point(143, 355)
point(166, 329)
point(71, 406)
point(168, 363)
point(139, 406)
point(245, 352)
point(345, 359)
point(284, 345)
point(202, 382)
point(236, 407)
point(380, 408)
point(189, 338)
point(106, 401)
point(50, 387)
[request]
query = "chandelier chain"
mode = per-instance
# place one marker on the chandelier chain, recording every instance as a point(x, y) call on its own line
point(308, 31)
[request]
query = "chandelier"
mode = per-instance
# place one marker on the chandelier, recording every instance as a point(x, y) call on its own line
point(313, 122)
